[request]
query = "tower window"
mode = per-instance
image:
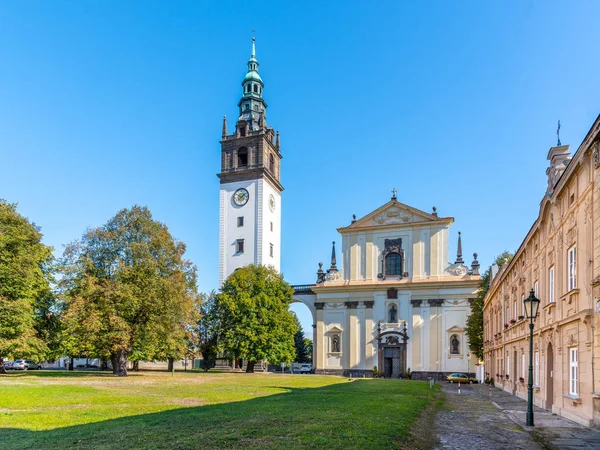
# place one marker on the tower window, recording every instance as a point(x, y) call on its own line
point(255, 88)
point(247, 88)
point(271, 250)
point(271, 163)
point(240, 221)
point(242, 157)
point(239, 246)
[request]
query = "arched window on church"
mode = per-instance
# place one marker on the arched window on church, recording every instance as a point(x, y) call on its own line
point(393, 264)
point(271, 163)
point(454, 345)
point(255, 87)
point(242, 157)
point(393, 314)
point(247, 88)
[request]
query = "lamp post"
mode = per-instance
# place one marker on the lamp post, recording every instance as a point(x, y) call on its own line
point(469, 367)
point(531, 304)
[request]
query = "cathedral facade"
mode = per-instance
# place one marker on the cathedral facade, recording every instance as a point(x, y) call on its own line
point(397, 304)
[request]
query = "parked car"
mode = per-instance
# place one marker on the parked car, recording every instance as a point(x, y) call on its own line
point(8, 365)
point(25, 364)
point(460, 377)
point(306, 368)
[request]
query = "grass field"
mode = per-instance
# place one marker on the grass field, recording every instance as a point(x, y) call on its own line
point(152, 410)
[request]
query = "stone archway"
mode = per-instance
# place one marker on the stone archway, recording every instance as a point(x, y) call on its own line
point(309, 301)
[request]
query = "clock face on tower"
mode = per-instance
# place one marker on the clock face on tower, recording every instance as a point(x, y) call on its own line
point(272, 203)
point(240, 197)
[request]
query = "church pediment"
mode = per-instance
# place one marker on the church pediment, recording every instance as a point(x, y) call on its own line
point(455, 329)
point(393, 213)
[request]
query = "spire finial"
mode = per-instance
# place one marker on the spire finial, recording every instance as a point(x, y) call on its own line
point(253, 54)
point(459, 259)
point(278, 141)
point(394, 191)
point(333, 267)
point(434, 213)
point(475, 265)
point(558, 144)
point(224, 133)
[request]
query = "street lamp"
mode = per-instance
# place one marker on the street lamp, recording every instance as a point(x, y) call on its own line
point(531, 304)
point(469, 367)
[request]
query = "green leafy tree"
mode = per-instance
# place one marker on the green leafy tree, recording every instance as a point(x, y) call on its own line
point(302, 354)
point(254, 320)
point(474, 325)
point(207, 331)
point(25, 277)
point(128, 291)
point(309, 349)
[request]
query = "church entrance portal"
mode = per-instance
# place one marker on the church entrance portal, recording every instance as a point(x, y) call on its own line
point(392, 362)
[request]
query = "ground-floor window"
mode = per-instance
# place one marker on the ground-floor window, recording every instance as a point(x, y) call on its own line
point(573, 371)
point(537, 369)
point(523, 365)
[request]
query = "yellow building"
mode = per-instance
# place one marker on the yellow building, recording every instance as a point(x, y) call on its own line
point(560, 259)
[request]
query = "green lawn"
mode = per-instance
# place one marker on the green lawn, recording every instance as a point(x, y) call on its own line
point(154, 410)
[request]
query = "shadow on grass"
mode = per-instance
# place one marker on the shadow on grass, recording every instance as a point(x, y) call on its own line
point(361, 414)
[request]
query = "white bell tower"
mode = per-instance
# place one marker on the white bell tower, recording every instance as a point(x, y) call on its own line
point(250, 194)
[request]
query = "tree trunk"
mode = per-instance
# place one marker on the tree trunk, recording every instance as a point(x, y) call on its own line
point(170, 367)
point(250, 366)
point(2, 368)
point(103, 363)
point(119, 363)
point(136, 366)
point(72, 363)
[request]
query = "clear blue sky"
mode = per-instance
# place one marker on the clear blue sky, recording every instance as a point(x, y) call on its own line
point(107, 104)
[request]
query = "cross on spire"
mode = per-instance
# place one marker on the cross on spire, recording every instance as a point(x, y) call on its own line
point(394, 191)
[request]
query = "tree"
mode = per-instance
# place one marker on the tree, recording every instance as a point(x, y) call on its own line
point(309, 349)
point(207, 331)
point(254, 320)
point(474, 325)
point(25, 276)
point(300, 343)
point(128, 291)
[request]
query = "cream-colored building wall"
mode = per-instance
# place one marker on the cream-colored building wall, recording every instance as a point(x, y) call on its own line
point(568, 217)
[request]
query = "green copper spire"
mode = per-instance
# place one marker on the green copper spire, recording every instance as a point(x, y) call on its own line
point(252, 105)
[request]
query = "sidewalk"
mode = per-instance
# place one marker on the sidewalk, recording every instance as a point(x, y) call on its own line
point(470, 421)
point(550, 430)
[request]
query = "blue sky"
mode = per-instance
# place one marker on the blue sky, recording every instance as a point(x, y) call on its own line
point(108, 104)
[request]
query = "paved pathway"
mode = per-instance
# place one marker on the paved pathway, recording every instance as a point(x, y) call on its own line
point(472, 420)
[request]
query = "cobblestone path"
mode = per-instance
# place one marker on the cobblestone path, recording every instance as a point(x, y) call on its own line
point(470, 421)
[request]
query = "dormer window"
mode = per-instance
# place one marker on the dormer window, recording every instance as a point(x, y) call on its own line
point(242, 157)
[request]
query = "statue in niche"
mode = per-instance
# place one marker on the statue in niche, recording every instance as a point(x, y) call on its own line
point(454, 345)
point(393, 314)
point(335, 343)
point(392, 340)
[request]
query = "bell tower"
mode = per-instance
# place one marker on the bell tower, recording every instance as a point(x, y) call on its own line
point(250, 191)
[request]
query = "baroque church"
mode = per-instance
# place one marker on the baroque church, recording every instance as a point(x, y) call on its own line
point(397, 303)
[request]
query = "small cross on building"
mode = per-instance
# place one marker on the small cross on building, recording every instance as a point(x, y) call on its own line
point(394, 191)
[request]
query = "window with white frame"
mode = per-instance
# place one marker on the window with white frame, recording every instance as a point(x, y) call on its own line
point(551, 285)
point(536, 286)
point(573, 371)
point(572, 264)
point(507, 365)
point(523, 365)
point(523, 304)
point(536, 374)
point(515, 310)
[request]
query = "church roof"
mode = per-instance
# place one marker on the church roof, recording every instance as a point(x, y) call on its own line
point(395, 214)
